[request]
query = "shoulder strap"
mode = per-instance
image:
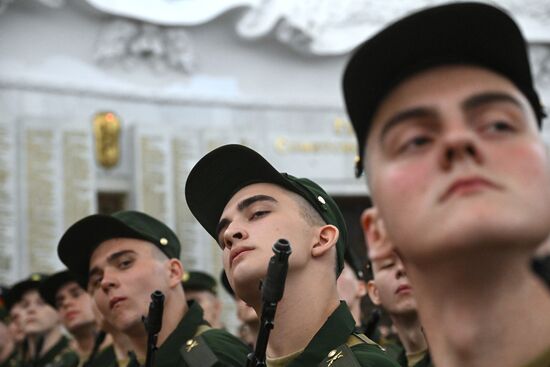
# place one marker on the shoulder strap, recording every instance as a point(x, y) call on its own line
point(196, 351)
point(358, 338)
point(343, 355)
point(202, 328)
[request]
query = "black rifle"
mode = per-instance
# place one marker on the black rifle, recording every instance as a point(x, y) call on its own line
point(153, 324)
point(272, 288)
point(541, 267)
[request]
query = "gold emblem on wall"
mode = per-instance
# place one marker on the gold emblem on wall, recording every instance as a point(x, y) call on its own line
point(107, 138)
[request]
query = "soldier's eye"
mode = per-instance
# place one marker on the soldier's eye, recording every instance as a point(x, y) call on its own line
point(259, 214)
point(124, 264)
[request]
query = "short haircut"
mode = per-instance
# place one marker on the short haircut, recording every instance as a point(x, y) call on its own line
point(308, 212)
point(312, 217)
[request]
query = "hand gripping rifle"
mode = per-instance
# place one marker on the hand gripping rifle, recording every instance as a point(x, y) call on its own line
point(272, 288)
point(153, 324)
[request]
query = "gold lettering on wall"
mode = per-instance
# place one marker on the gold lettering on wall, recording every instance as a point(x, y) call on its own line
point(285, 146)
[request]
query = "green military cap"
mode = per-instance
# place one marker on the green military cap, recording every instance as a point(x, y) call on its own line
point(199, 281)
point(17, 290)
point(79, 242)
point(49, 287)
point(458, 33)
point(227, 169)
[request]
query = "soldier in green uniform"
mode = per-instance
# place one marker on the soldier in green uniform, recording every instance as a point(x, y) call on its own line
point(8, 350)
point(447, 120)
point(76, 311)
point(389, 288)
point(122, 259)
point(247, 205)
point(249, 322)
point(46, 345)
point(202, 288)
point(352, 288)
point(14, 326)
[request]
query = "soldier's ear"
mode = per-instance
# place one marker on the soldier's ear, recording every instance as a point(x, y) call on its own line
point(175, 269)
point(373, 292)
point(327, 238)
point(374, 230)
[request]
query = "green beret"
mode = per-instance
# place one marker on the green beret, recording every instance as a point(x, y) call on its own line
point(225, 170)
point(77, 245)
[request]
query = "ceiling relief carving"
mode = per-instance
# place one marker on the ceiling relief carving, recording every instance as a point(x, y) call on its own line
point(51, 3)
point(125, 43)
point(317, 27)
point(310, 26)
point(540, 60)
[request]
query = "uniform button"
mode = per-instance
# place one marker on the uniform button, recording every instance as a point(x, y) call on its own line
point(321, 199)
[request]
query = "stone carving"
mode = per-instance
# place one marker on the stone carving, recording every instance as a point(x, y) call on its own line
point(128, 43)
point(51, 3)
point(540, 61)
point(321, 27)
point(170, 12)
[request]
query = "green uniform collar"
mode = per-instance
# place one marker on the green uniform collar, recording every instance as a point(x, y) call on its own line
point(59, 349)
point(334, 332)
point(168, 354)
point(104, 358)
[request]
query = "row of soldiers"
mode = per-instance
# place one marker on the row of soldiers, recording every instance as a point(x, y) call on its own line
point(447, 121)
point(34, 309)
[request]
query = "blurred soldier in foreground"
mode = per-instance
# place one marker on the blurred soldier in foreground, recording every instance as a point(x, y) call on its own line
point(447, 120)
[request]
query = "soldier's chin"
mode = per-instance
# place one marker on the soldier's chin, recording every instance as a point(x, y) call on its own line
point(246, 282)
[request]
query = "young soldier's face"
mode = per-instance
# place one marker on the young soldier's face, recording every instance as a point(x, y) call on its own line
point(37, 316)
point(123, 274)
point(210, 304)
point(252, 221)
point(74, 306)
point(390, 287)
point(350, 289)
point(455, 159)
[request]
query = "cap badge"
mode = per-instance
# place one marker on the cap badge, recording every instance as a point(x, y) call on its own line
point(321, 199)
point(185, 277)
point(163, 241)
